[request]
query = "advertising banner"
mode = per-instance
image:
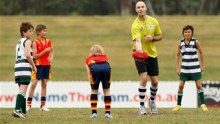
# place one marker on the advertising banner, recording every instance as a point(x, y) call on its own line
point(212, 93)
point(76, 94)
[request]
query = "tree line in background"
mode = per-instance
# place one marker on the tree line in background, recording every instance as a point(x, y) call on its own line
point(108, 7)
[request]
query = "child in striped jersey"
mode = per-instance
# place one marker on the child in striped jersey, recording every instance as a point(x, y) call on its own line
point(98, 70)
point(23, 65)
point(192, 65)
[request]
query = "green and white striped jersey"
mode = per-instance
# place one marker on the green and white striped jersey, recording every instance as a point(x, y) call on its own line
point(190, 61)
point(22, 66)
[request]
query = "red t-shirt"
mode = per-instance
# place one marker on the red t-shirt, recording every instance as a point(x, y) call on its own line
point(96, 59)
point(43, 60)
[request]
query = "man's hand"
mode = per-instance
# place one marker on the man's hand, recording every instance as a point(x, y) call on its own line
point(149, 38)
point(140, 55)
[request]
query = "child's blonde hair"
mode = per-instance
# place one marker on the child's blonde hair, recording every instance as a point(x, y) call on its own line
point(96, 50)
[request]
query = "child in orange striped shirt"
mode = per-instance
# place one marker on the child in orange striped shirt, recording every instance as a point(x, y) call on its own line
point(99, 69)
point(43, 55)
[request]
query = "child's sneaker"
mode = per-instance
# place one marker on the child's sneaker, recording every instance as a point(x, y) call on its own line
point(44, 108)
point(204, 108)
point(25, 115)
point(94, 115)
point(177, 108)
point(108, 116)
point(142, 110)
point(18, 114)
point(28, 108)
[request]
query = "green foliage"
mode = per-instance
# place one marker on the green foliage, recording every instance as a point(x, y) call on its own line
point(37, 7)
point(106, 7)
point(97, 7)
point(174, 7)
point(120, 116)
point(9, 7)
point(58, 7)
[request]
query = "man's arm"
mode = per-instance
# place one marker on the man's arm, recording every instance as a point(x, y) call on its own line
point(138, 44)
point(157, 37)
point(153, 38)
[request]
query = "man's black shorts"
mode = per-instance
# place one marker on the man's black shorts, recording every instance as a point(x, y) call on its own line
point(149, 65)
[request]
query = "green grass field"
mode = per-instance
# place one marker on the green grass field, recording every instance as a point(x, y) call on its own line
point(120, 116)
point(73, 36)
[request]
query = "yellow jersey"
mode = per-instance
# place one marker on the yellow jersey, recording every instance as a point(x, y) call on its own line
point(140, 29)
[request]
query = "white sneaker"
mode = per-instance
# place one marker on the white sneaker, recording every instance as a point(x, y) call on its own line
point(18, 114)
point(108, 116)
point(24, 115)
point(142, 110)
point(28, 108)
point(44, 108)
point(94, 115)
point(152, 106)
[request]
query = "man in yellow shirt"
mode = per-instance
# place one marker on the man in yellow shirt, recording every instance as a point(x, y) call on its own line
point(145, 32)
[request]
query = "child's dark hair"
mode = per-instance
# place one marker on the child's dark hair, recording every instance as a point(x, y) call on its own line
point(25, 26)
point(40, 27)
point(188, 27)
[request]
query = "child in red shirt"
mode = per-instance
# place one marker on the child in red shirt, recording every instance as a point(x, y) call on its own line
point(43, 55)
point(99, 69)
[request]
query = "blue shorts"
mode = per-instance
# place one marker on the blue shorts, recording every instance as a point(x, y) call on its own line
point(43, 72)
point(100, 72)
